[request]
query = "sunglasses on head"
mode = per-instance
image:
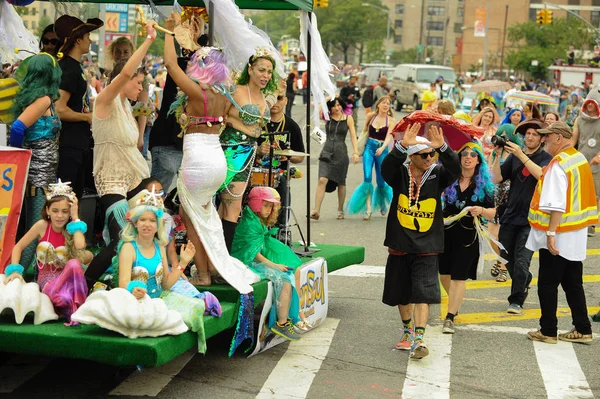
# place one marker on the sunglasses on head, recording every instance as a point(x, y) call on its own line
point(427, 154)
point(53, 42)
point(467, 153)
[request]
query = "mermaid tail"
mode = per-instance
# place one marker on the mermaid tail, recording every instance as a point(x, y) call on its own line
point(382, 198)
point(358, 200)
point(68, 290)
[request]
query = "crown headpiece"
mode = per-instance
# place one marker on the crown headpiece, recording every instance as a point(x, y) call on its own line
point(204, 52)
point(60, 189)
point(151, 198)
point(261, 52)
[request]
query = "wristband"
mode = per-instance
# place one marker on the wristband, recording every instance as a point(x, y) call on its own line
point(17, 134)
point(76, 226)
point(13, 268)
point(150, 37)
point(136, 284)
point(528, 159)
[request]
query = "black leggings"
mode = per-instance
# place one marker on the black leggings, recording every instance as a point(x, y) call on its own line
point(103, 259)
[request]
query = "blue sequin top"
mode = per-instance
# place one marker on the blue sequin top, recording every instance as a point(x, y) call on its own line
point(46, 127)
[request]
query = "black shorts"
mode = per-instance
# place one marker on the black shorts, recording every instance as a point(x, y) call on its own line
point(411, 279)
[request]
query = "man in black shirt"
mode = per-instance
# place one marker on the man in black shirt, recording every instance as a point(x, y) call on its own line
point(415, 231)
point(523, 169)
point(73, 107)
point(290, 137)
point(350, 95)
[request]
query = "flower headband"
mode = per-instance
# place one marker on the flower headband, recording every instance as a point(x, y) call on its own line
point(204, 52)
point(60, 189)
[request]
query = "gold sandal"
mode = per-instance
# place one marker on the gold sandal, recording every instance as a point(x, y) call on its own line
point(503, 276)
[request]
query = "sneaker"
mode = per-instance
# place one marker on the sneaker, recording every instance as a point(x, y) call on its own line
point(286, 331)
point(591, 231)
point(576, 336)
point(513, 308)
point(419, 349)
point(407, 339)
point(448, 327)
point(538, 336)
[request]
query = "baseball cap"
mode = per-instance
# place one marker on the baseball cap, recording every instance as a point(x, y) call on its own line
point(259, 194)
point(559, 128)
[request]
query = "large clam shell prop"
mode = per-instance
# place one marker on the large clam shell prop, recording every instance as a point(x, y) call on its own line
point(118, 310)
point(23, 298)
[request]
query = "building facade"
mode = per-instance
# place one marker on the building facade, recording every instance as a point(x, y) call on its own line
point(433, 26)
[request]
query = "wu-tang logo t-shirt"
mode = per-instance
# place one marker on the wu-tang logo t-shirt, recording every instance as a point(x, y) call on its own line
point(419, 217)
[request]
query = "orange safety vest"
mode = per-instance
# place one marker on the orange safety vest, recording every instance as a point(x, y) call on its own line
point(581, 210)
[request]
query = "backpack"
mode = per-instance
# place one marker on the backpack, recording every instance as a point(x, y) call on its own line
point(367, 97)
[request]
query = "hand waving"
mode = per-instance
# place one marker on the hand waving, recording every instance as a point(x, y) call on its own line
point(436, 137)
point(410, 135)
point(187, 253)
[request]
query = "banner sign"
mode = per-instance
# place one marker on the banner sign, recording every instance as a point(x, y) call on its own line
point(314, 301)
point(480, 16)
point(14, 165)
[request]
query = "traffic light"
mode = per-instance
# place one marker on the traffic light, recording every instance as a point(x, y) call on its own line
point(539, 17)
point(548, 17)
point(321, 3)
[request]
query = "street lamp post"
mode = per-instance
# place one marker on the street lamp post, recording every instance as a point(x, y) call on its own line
point(389, 20)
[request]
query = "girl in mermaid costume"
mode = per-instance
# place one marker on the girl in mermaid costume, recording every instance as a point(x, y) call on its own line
point(60, 251)
point(379, 125)
point(143, 267)
point(255, 245)
point(36, 128)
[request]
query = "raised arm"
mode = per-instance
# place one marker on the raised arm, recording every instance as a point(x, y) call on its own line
point(113, 89)
point(189, 87)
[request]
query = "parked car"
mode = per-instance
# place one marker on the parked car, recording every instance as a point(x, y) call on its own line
point(371, 74)
point(409, 81)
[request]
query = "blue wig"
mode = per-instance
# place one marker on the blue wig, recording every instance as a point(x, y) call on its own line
point(483, 179)
point(509, 114)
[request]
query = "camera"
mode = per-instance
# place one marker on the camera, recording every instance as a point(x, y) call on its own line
point(499, 141)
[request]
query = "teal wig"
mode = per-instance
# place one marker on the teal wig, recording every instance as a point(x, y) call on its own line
point(272, 84)
point(42, 79)
point(482, 178)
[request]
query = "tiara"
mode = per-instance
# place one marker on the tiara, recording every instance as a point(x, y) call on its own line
point(151, 198)
point(261, 52)
point(204, 52)
point(60, 189)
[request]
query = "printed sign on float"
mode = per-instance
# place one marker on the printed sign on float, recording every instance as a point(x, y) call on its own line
point(314, 301)
point(14, 165)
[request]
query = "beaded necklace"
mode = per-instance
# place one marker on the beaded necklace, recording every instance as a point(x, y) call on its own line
point(411, 206)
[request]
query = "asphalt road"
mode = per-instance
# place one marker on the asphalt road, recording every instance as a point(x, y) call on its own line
point(352, 355)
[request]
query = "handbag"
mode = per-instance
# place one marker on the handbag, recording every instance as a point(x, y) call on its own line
point(362, 141)
point(326, 156)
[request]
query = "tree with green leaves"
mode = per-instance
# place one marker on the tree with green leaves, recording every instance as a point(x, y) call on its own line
point(44, 21)
point(544, 43)
point(347, 24)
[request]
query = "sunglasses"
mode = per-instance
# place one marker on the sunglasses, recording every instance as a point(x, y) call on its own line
point(427, 154)
point(53, 42)
point(466, 153)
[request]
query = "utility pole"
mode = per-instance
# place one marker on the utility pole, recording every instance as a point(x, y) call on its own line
point(485, 39)
point(101, 35)
point(503, 43)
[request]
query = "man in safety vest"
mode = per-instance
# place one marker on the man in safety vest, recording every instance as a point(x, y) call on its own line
point(562, 208)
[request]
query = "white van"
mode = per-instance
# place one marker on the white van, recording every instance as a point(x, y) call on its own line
point(409, 81)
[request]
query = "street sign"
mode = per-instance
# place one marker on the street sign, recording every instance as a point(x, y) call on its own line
point(116, 22)
point(117, 8)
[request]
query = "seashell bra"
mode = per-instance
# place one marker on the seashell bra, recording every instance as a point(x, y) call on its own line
point(51, 250)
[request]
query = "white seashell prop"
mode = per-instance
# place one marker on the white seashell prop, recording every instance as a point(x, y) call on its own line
point(23, 298)
point(118, 310)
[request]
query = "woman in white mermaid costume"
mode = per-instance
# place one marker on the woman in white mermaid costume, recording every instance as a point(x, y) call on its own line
point(200, 112)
